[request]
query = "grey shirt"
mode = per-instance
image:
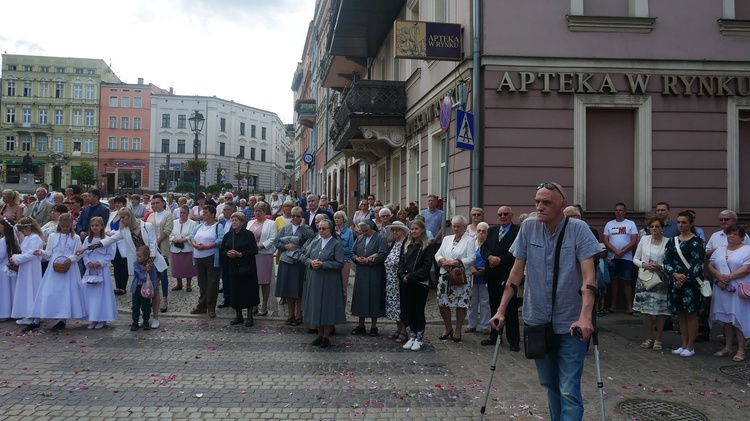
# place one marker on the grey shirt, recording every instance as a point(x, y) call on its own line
point(536, 245)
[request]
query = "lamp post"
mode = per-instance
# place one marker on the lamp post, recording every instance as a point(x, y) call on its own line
point(106, 179)
point(196, 125)
point(247, 177)
point(238, 159)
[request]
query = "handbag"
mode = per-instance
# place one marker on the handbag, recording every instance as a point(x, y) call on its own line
point(538, 340)
point(179, 245)
point(705, 286)
point(457, 276)
point(91, 278)
point(61, 266)
point(648, 278)
point(743, 290)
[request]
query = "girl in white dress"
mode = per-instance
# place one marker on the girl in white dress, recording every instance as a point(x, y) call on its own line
point(100, 303)
point(8, 247)
point(29, 269)
point(59, 295)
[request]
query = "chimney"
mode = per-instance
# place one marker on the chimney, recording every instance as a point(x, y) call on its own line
point(140, 81)
point(171, 90)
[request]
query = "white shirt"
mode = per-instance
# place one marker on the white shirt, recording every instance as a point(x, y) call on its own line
point(620, 234)
point(719, 238)
point(158, 216)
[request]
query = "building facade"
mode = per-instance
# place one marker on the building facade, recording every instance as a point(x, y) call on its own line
point(50, 112)
point(630, 101)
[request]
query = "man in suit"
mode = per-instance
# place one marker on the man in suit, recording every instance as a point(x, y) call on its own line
point(496, 252)
point(312, 210)
point(41, 210)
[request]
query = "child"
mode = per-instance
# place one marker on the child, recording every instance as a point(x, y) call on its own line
point(29, 269)
point(98, 298)
point(59, 296)
point(143, 271)
point(8, 247)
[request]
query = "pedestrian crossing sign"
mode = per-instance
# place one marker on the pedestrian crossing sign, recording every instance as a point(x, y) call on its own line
point(465, 130)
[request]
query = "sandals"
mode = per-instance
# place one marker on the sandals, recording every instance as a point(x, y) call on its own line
point(647, 344)
point(738, 357)
point(657, 346)
point(401, 338)
point(723, 353)
point(188, 289)
point(177, 288)
point(373, 331)
point(359, 330)
point(290, 320)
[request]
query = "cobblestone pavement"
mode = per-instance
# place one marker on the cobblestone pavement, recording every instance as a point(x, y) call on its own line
point(195, 367)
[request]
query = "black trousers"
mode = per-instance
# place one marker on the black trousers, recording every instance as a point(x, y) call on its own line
point(496, 290)
point(120, 269)
point(414, 298)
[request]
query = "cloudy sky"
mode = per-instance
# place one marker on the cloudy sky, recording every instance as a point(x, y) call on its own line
point(241, 50)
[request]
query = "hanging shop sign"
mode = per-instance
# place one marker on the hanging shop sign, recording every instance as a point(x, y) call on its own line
point(427, 40)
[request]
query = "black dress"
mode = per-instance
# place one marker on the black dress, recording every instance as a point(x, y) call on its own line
point(243, 275)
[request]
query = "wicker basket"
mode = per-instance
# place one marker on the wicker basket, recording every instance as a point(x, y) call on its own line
point(61, 266)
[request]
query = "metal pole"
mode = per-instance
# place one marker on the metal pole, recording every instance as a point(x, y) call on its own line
point(196, 170)
point(476, 174)
point(446, 173)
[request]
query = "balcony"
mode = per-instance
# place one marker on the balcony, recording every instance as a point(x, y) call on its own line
point(370, 120)
point(32, 128)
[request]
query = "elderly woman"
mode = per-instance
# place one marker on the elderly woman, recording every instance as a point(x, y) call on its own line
point(238, 250)
point(346, 237)
point(652, 302)
point(12, 207)
point(291, 273)
point(477, 216)
point(322, 303)
point(393, 283)
point(730, 266)
point(205, 240)
point(480, 296)
point(275, 204)
point(684, 292)
point(264, 230)
point(457, 250)
point(182, 201)
point(368, 297)
point(181, 250)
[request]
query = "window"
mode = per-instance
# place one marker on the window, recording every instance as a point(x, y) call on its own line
point(252, 154)
point(262, 132)
point(609, 16)
point(126, 102)
point(59, 91)
point(180, 145)
point(242, 129)
point(112, 122)
point(91, 71)
point(136, 143)
point(222, 148)
point(58, 145)
point(43, 117)
point(76, 144)
point(60, 69)
point(45, 69)
point(136, 123)
point(89, 91)
point(439, 12)
point(11, 67)
point(77, 117)
point(89, 118)
point(78, 91)
point(25, 143)
point(44, 90)
point(27, 89)
point(165, 120)
point(88, 145)
point(26, 116)
point(242, 152)
point(28, 68)
point(10, 143)
point(263, 155)
point(59, 117)
point(137, 102)
point(124, 143)
point(112, 143)
point(113, 101)
point(10, 115)
point(223, 124)
point(165, 146)
point(181, 119)
point(79, 71)
point(125, 122)
point(252, 130)
point(11, 88)
point(41, 144)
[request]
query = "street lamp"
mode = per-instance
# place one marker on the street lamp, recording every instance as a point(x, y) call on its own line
point(247, 177)
point(196, 125)
point(106, 179)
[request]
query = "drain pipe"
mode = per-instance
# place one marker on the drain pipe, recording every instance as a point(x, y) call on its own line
point(476, 174)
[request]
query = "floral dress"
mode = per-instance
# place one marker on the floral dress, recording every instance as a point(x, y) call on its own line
point(392, 283)
point(688, 298)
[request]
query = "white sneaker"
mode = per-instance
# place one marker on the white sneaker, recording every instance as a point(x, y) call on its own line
point(91, 325)
point(678, 351)
point(99, 325)
point(140, 322)
point(155, 324)
point(24, 321)
point(417, 345)
point(687, 353)
point(410, 342)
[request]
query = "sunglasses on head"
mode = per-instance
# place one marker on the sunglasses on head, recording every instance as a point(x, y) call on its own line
point(550, 186)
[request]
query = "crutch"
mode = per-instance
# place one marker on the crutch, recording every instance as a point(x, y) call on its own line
point(595, 337)
point(492, 373)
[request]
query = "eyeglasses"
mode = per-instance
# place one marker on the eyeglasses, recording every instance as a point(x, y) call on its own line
point(296, 216)
point(725, 219)
point(550, 186)
point(476, 214)
point(503, 213)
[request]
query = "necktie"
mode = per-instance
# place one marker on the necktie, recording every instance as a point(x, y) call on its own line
point(36, 208)
point(501, 234)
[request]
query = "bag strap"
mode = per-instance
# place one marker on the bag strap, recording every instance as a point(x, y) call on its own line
point(556, 275)
point(677, 246)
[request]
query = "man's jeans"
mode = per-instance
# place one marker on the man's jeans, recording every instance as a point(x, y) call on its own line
point(560, 373)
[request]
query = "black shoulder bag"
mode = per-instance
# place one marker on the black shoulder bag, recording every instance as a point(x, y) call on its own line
point(540, 339)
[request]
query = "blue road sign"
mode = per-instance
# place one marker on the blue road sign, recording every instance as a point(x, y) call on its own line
point(464, 130)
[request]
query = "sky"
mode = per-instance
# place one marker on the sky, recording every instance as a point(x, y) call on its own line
point(241, 50)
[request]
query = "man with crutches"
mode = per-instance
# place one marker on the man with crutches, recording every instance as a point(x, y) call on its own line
point(557, 304)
